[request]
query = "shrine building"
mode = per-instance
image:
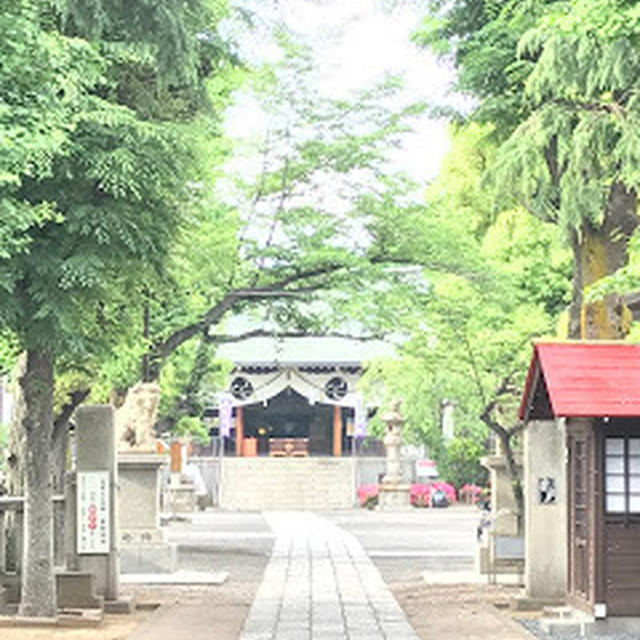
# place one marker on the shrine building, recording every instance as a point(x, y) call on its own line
point(296, 416)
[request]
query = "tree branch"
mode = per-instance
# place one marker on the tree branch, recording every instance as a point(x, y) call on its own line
point(263, 333)
point(278, 289)
point(75, 399)
point(506, 387)
point(609, 107)
point(474, 369)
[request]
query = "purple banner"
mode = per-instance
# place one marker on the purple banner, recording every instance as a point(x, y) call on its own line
point(360, 419)
point(225, 408)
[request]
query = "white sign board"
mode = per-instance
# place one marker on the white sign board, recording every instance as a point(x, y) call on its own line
point(93, 512)
point(426, 469)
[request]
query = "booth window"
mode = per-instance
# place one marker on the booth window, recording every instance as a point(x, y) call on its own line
point(622, 475)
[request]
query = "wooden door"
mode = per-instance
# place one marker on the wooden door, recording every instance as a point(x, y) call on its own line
point(621, 509)
point(580, 578)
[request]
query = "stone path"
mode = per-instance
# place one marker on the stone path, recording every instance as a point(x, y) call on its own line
point(321, 585)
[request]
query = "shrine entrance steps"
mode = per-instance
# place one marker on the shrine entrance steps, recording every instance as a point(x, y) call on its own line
point(287, 483)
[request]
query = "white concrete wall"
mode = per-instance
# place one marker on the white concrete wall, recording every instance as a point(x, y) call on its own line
point(287, 483)
point(545, 524)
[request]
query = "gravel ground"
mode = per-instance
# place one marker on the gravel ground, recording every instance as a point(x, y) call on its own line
point(459, 611)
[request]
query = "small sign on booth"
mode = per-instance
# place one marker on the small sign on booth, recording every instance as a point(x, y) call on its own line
point(426, 469)
point(546, 490)
point(93, 512)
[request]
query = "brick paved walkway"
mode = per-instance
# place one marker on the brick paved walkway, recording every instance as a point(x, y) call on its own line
point(321, 585)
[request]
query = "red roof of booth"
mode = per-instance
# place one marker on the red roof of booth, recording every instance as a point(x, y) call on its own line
point(583, 380)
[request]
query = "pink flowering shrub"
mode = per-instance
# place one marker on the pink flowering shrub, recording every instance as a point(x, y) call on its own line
point(368, 495)
point(420, 493)
point(470, 493)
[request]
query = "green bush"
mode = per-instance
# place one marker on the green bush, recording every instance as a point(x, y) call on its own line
point(192, 426)
point(462, 462)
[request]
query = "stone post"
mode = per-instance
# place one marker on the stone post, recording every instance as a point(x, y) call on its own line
point(504, 511)
point(448, 422)
point(504, 522)
point(394, 493)
point(96, 451)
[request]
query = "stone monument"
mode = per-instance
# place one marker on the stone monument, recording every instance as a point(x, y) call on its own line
point(394, 492)
point(91, 575)
point(143, 545)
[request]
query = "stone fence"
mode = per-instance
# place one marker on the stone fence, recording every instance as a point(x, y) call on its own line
point(12, 542)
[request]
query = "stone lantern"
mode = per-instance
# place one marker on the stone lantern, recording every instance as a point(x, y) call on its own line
point(394, 493)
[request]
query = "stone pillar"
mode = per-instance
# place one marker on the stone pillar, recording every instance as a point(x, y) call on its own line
point(239, 431)
point(504, 512)
point(96, 451)
point(545, 510)
point(393, 493)
point(143, 545)
point(448, 409)
point(337, 431)
point(503, 527)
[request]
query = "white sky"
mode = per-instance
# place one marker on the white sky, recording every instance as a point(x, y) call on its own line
point(356, 44)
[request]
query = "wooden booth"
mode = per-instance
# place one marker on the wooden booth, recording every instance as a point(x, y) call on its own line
point(595, 388)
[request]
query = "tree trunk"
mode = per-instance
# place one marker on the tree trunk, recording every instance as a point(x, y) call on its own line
point(15, 444)
point(575, 308)
point(60, 437)
point(506, 438)
point(59, 462)
point(38, 584)
point(598, 252)
point(146, 369)
point(59, 458)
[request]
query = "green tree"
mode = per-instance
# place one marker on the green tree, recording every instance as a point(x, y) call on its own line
point(300, 236)
point(471, 342)
point(462, 462)
point(93, 188)
point(558, 81)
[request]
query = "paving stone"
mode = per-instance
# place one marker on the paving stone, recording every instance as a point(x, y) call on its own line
point(321, 585)
point(292, 635)
point(328, 628)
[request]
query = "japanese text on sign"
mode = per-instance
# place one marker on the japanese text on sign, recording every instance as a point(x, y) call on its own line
point(93, 512)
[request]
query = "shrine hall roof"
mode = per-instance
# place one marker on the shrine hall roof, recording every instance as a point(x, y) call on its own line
point(305, 351)
point(582, 380)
